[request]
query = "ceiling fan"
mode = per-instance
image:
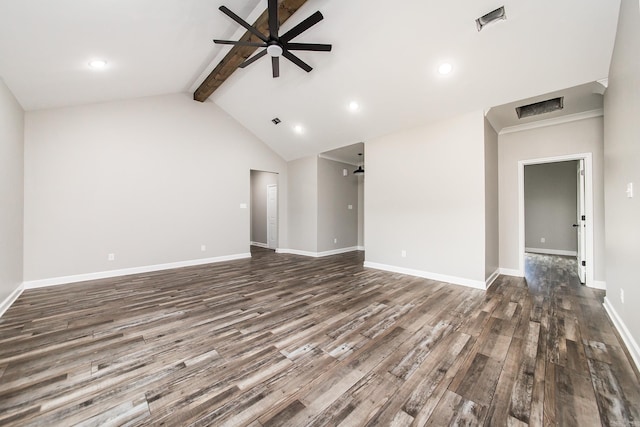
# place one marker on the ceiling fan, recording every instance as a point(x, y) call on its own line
point(277, 45)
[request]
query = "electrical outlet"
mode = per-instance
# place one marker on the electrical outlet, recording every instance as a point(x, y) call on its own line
point(203, 248)
point(403, 253)
point(542, 240)
point(622, 296)
point(335, 240)
point(350, 206)
point(111, 257)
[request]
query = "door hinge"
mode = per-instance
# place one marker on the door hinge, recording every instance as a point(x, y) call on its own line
point(584, 263)
point(584, 217)
point(581, 172)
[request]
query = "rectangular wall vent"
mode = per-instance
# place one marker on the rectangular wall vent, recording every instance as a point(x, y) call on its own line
point(493, 16)
point(541, 107)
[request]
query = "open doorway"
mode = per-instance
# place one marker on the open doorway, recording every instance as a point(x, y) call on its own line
point(349, 161)
point(264, 209)
point(556, 210)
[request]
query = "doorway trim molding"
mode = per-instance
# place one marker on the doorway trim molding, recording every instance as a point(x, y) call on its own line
point(588, 196)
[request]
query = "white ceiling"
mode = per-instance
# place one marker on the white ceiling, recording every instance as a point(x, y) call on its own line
point(385, 57)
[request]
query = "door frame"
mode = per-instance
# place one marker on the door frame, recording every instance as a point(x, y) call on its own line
point(588, 193)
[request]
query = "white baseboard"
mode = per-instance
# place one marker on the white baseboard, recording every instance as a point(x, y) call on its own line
point(477, 284)
point(631, 344)
point(598, 284)
point(4, 305)
point(492, 278)
point(31, 284)
point(360, 248)
point(316, 254)
point(295, 252)
point(551, 251)
point(260, 245)
point(511, 272)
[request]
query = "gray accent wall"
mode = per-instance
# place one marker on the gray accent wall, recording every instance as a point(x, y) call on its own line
point(335, 193)
point(491, 206)
point(11, 193)
point(149, 180)
point(622, 166)
point(303, 204)
point(581, 136)
point(425, 194)
point(550, 206)
point(259, 182)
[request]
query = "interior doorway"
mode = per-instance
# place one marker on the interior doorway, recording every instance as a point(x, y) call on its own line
point(264, 209)
point(577, 223)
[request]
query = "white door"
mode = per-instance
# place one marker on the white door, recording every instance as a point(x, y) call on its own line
point(272, 216)
point(581, 224)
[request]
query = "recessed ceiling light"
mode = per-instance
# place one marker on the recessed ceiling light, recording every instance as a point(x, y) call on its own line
point(98, 64)
point(298, 129)
point(445, 68)
point(354, 106)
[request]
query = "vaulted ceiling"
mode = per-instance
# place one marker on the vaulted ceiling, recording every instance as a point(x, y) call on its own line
point(385, 57)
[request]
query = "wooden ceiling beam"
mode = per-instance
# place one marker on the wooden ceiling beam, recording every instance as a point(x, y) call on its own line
point(238, 54)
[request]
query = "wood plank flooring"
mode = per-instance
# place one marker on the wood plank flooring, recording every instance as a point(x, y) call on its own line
point(288, 340)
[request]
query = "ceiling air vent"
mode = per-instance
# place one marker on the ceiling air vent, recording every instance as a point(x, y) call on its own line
point(276, 120)
point(541, 107)
point(493, 16)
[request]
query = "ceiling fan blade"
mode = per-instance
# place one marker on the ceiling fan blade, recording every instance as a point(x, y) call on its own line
point(299, 62)
point(302, 27)
point(239, 43)
point(308, 46)
point(275, 66)
point(254, 58)
point(244, 23)
point(273, 19)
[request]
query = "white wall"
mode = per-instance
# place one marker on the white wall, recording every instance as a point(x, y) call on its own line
point(622, 166)
point(582, 136)
point(491, 206)
point(303, 204)
point(148, 179)
point(550, 207)
point(259, 182)
point(425, 194)
point(11, 194)
point(335, 193)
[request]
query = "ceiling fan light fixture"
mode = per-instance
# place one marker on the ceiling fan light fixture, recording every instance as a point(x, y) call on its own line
point(274, 50)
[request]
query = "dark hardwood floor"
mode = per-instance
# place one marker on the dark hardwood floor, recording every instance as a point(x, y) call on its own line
point(288, 340)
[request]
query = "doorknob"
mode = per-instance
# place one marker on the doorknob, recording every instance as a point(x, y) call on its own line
point(576, 225)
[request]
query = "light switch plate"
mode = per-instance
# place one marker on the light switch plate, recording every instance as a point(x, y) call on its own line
point(243, 206)
point(630, 190)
